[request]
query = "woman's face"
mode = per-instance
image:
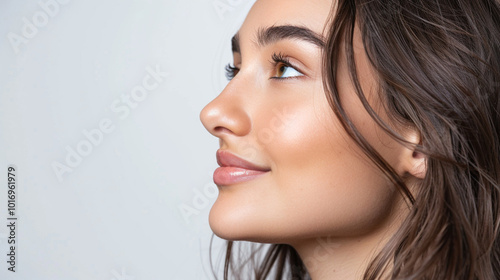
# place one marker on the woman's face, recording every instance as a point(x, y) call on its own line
point(312, 180)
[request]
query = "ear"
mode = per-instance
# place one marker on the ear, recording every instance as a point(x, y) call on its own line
point(415, 162)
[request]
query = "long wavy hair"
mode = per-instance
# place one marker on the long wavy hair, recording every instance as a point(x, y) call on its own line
point(438, 66)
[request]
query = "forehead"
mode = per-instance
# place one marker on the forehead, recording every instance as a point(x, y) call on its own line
point(312, 14)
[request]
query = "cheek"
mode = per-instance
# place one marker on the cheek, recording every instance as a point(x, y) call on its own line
point(323, 181)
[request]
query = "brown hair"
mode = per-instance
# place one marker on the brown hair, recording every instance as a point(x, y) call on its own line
point(438, 66)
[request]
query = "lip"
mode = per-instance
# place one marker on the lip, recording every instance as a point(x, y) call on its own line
point(234, 169)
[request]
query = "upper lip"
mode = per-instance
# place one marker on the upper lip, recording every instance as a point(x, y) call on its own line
point(225, 158)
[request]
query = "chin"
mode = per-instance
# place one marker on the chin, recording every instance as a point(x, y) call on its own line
point(226, 224)
point(232, 226)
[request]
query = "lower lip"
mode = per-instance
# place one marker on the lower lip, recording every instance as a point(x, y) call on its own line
point(232, 175)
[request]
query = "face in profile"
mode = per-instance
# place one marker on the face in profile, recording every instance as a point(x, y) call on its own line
point(289, 171)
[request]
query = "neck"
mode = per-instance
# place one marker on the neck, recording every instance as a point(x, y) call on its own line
point(331, 258)
point(345, 258)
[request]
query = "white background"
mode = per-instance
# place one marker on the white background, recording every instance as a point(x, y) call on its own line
point(117, 214)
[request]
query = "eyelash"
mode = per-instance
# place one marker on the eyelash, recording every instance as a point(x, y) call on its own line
point(231, 71)
point(277, 58)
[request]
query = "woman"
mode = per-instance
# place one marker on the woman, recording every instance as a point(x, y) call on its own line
point(362, 140)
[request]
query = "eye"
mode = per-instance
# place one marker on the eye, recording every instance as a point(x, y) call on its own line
point(283, 68)
point(284, 71)
point(231, 71)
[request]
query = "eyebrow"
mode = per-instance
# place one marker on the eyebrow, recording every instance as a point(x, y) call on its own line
point(269, 35)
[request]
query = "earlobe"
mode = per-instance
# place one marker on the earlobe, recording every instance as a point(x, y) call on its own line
point(418, 168)
point(416, 161)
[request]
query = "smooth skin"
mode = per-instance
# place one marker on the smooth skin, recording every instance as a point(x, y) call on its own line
point(322, 195)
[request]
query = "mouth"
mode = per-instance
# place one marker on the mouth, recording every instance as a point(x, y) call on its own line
point(233, 169)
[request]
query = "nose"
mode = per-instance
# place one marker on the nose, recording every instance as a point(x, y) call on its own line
point(226, 115)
